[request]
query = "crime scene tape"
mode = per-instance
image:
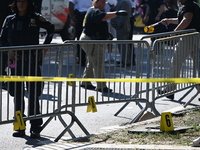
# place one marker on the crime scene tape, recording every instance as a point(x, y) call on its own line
point(147, 80)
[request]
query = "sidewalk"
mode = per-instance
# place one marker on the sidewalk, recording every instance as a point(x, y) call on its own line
point(62, 145)
point(74, 146)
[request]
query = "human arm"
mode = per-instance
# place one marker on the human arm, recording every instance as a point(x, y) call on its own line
point(167, 21)
point(146, 15)
point(4, 38)
point(187, 18)
point(161, 11)
point(4, 33)
point(121, 21)
point(109, 15)
point(71, 13)
point(48, 26)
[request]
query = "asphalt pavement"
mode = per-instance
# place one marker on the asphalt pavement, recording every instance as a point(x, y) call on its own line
point(96, 123)
point(63, 145)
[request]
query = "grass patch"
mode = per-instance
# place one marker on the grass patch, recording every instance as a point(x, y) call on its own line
point(191, 118)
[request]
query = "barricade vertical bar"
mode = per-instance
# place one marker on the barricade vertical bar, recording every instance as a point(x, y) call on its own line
point(60, 72)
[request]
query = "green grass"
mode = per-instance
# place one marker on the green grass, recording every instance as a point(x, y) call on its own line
point(190, 119)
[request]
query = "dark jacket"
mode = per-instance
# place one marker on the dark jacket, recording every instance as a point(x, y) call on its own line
point(24, 30)
point(191, 7)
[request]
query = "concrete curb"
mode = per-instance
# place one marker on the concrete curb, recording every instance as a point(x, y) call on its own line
point(75, 146)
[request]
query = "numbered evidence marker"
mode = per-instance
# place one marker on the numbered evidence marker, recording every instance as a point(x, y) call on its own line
point(70, 76)
point(92, 107)
point(166, 123)
point(19, 125)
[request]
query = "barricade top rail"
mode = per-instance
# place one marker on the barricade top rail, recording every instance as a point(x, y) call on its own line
point(31, 47)
point(167, 34)
point(174, 37)
point(107, 41)
point(71, 42)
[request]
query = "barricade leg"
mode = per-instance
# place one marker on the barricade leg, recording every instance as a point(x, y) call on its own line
point(188, 92)
point(67, 127)
point(185, 105)
point(64, 124)
point(74, 119)
point(124, 106)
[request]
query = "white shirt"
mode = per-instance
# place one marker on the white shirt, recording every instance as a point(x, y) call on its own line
point(133, 4)
point(112, 2)
point(82, 5)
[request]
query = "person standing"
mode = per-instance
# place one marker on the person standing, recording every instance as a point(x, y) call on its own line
point(171, 12)
point(109, 7)
point(123, 28)
point(188, 18)
point(22, 28)
point(154, 12)
point(132, 20)
point(5, 10)
point(96, 28)
point(77, 11)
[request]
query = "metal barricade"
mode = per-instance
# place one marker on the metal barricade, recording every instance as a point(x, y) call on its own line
point(166, 34)
point(54, 97)
point(152, 88)
point(59, 98)
point(175, 57)
point(114, 69)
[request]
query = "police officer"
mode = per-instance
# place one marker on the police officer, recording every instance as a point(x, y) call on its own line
point(188, 18)
point(154, 12)
point(123, 28)
point(5, 10)
point(96, 28)
point(22, 28)
point(78, 9)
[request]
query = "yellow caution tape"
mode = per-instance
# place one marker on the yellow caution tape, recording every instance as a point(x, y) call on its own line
point(147, 80)
point(92, 107)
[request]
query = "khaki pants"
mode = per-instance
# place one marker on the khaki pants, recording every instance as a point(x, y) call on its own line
point(95, 61)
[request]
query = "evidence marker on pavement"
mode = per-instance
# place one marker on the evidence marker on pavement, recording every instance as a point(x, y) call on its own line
point(92, 105)
point(166, 125)
point(19, 125)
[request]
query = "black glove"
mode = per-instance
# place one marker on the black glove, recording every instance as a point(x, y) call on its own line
point(121, 13)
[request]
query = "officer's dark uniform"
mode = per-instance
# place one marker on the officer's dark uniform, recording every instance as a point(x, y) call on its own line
point(25, 31)
point(192, 7)
point(5, 10)
point(154, 6)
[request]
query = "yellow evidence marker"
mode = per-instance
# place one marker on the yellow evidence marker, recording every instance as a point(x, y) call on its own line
point(92, 107)
point(19, 125)
point(166, 123)
point(70, 76)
